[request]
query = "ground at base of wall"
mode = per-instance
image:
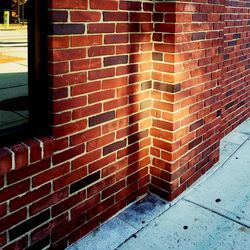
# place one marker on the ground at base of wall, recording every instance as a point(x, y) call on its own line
point(212, 214)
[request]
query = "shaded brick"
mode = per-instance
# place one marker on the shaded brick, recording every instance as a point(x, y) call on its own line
point(229, 105)
point(66, 29)
point(29, 224)
point(237, 36)
point(114, 60)
point(232, 43)
point(196, 124)
point(146, 85)
point(84, 182)
point(114, 146)
point(198, 36)
point(98, 119)
point(40, 244)
point(172, 88)
point(195, 142)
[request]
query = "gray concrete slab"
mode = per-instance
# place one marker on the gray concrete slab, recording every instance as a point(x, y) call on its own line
point(236, 137)
point(244, 127)
point(228, 191)
point(186, 226)
point(142, 212)
point(108, 236)
point(227, 149)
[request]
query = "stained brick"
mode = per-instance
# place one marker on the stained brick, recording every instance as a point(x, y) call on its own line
point(84, 182)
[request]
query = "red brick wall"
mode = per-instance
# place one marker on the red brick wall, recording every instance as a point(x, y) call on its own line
point(236, 65)
point(188, 39)
point(136, 96)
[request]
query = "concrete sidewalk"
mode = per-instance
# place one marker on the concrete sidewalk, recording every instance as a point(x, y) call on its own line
point(212, 214)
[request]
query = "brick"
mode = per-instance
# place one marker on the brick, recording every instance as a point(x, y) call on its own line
point(140, 17)
point(116, 39)
point(99, 164)
point(50, 174)
point(115, 103)
point(99, 186)
point(114, 146)
point(84, 182)
point(137, 137)
point(29, 197)
point(127, 27)
point(42, 243)
point(68, 203)
point(69, 178)
point(114, 60)
point(114, 125)
point(47, 201)
point(69, 4)
point(23, 173)
point(85, 205)
point(58, 42)
point(47, 228)
point(3, 210)
point(195, 142)
point(19, 244)
point(85, 136)
point(85, 88)
point(70, 128)
point(3, 239)
point(101, 51)
point(107, 5)
point(85, 16)
point(86, 40)
point(113, 189)
point(12, 219)
point(63, 105)
point(114, 83)
point(29, 224)
point(130, 5)
point(101, 95)
point(115, 16)
point(101, 73)
point(85, 64)
point(67, 54)
point(87, 111)
point(66, 29)
point(101, 28)
point(5, 161)
point(100, 142)
point(14, 190)
point(20, 155)
point(172, 88)
point(58, 16)
point(95, 120)
point(200, 17)
point(196, 124)
point(198, 36)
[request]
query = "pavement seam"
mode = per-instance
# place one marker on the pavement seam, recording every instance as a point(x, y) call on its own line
point(134, 234)
point(216, 212)
point(208, 174)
